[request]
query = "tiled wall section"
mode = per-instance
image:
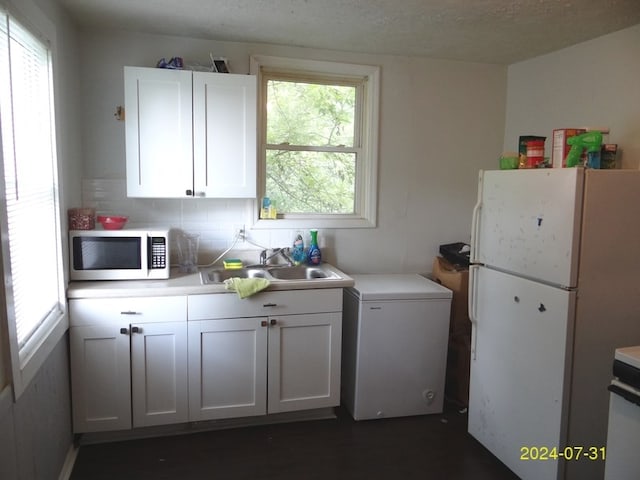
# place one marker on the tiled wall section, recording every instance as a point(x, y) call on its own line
point(215, 220)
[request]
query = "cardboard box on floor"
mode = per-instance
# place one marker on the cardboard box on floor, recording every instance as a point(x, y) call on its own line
point(459, 348)
point(458, 282)
point(456, 387)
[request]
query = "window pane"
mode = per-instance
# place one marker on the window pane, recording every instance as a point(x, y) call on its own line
point(310, 114)
point(311, 182)
point(30, 179)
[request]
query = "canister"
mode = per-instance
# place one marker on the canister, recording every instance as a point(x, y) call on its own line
point(81, 218)
point(535, 153)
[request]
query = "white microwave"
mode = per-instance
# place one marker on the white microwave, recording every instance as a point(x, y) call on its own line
point(118, 254)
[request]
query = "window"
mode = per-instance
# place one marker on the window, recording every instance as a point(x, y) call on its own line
point(318, 142)
point(31, 252)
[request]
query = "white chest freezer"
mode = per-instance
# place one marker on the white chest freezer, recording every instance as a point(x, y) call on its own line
point(394, 346)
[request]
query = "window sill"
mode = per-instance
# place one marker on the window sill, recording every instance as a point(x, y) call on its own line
point(306, 223)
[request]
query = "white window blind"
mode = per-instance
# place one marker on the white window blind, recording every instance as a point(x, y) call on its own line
point(33, 286)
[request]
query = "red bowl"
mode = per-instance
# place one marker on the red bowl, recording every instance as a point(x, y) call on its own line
point(112, 222)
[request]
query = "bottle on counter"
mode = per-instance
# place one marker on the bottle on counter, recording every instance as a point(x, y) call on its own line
point(314, 256)
point(297, 252)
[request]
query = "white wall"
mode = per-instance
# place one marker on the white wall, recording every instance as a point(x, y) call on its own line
point(440, 122)
point(594, 83)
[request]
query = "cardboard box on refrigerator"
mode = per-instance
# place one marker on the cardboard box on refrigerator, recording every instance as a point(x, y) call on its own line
point(559, 146)
point(458, 282)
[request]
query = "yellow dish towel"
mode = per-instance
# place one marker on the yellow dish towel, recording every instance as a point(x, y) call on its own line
point(245, 287)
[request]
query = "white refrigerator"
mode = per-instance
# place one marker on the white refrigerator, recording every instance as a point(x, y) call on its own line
point(554, 290)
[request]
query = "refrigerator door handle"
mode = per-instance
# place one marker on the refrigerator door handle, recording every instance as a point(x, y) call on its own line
point(475, 222)
point(472, 299)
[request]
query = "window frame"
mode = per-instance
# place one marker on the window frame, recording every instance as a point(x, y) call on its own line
point(367, 109)
point(25, 362)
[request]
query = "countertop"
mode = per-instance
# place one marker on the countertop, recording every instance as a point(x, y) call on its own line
point(188, 284)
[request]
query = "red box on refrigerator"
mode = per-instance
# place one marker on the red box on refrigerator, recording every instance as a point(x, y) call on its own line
point(559, 147)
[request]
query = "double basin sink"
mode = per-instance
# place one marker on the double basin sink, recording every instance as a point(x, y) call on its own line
point(273, 273)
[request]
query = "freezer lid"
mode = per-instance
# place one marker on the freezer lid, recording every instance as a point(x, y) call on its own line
point(397, 287)
point(629, 355)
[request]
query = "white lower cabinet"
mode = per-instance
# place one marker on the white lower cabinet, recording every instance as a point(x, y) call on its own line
point(128, 362)
point(146, 361)
point(275, 358)
point(159, 379)
point(100, 378)
point(227, 368)
point(304, 362)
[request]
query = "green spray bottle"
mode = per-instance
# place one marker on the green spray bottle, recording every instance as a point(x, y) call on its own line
point(314, 257)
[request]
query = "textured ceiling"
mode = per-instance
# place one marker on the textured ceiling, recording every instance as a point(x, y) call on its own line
point(489, 31)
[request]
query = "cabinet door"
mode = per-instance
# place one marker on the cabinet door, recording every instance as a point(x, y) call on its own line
point(100, 378)
point(159, 140)
point(224, 135)
point(227, 368)
point(159, 373)
point(304, 361)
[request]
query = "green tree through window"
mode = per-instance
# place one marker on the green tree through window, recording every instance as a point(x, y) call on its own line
point(318, 142)
point(312, 148)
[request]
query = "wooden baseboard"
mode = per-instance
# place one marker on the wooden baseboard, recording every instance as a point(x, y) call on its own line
point(69, 462)
point(194, 427)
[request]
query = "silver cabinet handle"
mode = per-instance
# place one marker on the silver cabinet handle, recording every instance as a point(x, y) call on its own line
point(129, 312)
point(269, 304)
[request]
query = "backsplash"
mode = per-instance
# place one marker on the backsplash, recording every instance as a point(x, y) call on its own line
point(214, 219)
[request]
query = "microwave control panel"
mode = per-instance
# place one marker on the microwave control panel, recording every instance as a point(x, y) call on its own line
point(158, 252)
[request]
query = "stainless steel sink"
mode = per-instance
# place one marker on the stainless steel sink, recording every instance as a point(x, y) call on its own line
point(220, 275)
point(273, 274)
point(301, 273)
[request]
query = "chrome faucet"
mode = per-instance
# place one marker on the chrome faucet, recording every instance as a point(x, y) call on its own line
point(284, 252)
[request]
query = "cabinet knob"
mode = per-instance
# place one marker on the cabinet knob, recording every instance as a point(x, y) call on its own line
point(273, 321)
point(263, 323)
point(124, 331)
point(136, 330)
point(189, 192)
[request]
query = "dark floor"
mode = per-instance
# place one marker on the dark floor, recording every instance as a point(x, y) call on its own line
point(426, 447)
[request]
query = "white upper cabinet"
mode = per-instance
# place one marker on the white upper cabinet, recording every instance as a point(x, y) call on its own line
point(224, 135)
point(159, 132)
point(190, 134)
